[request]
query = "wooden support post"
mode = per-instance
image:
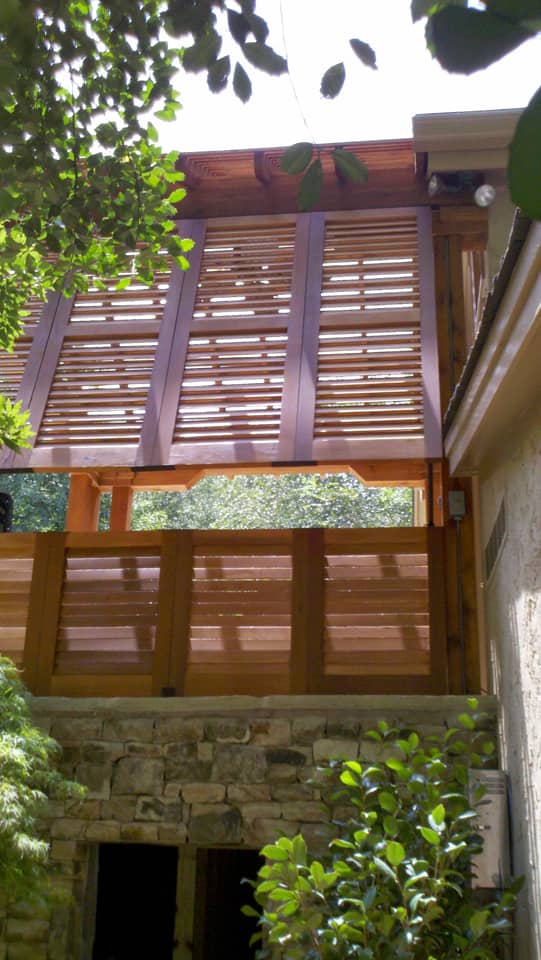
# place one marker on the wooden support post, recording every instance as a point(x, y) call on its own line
point(121, 506)
point(174, 604)
point(83, 510)
point(44, 612)
point(306, 667)
point(460, 579)
point(435, 537)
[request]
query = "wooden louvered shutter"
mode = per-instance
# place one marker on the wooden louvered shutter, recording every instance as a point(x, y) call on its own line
point(232, 382)
point(380, 594)
point(240, 621)
point(108, 614)
point(16, 564)
point(369, 396)
point(101, 381)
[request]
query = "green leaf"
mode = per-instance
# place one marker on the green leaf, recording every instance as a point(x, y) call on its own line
point(387, 801)
point(310, 186)
point(465, 40)
point(438, 814)
point(332, 81)
point(384, 868)
point(430, 836)
point(264, 58)
point(242, 85)
point(364, 52)
point(177, 195)
point(203, 53)
point(422, 8)
point(238, 25)
point(395, 853)
point(524, 169)
point(296, 158)
point(272, 852)
point(478, 922)
point(390, 825)
point(218, 74)
point(349, 165)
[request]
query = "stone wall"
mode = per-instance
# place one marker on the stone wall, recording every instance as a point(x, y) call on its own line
point(206, 772)
point(513, 612)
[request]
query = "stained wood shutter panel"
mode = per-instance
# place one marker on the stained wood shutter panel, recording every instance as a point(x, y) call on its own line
point(240, 622)
point(377, 622)
point(232, 382)
point(109, 611)
point(369, 380)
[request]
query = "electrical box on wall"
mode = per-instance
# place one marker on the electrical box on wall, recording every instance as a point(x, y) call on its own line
point(492, 866)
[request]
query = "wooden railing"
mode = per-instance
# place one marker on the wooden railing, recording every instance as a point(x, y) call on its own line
point(225, 612)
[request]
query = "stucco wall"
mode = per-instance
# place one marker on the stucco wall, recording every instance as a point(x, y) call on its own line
point(513, 609)
point(205, 772)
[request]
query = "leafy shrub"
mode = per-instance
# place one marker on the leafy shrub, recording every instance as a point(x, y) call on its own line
point(395, 882)
point(28, 779)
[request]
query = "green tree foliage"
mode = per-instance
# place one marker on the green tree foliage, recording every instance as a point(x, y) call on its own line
point(85, 190)
point(28, 780)
point(244, 502)
point(256, 502)
point(395, 881)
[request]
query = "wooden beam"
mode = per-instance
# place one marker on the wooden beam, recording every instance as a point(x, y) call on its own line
point(121, 507)
point(306, 663)
point(44, 612)
point(174, 604)
point(429, 341)
point(166, 382)
point(83, 510)
point(300, 374)
point(262, 167)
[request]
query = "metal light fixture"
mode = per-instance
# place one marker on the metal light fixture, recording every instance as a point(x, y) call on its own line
point(462, 181)
point(485, 195)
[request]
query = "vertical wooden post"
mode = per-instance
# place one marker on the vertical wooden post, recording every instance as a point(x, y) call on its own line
point(121, 507)
point(436, 608)
point(44, 611)
point(174, 604)
point(166, 382)
point(306, 665)
point(429, 338)
point(83, 510)
point(300, 373)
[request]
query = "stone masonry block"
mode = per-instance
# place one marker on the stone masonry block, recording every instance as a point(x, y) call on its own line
point(311, 811)
point(96, 777)
point(248, 793)
point(261, 811)
point(221, 824)
point(138, 775)
point(139, 832)
point(102, 751)
point(203, 792)
point(138, 729)
point(121, 809)
point(76, 729)
point(103, 831)
point(275, 732)
point(228, 730)
point(173, 729)
point(239, 764)
point(158, 809)
point(327, 749)
point(306, 729)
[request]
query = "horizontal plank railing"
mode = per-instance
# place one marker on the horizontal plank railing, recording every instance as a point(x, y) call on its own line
point(226, 612)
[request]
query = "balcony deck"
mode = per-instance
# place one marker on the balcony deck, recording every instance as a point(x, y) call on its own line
point(226, 612)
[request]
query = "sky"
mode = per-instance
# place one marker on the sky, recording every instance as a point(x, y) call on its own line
point(373, 105)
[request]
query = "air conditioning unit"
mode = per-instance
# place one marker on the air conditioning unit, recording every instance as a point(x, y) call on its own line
point(492, 866)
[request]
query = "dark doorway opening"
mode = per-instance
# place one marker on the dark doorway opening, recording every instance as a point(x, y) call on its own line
point(220, 929)
point(135, 914)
